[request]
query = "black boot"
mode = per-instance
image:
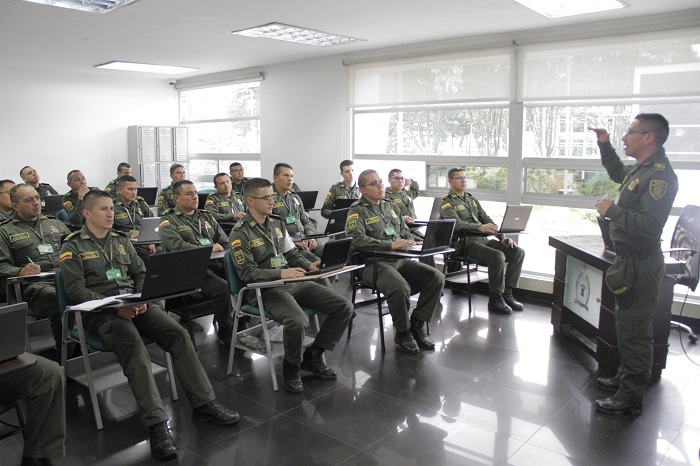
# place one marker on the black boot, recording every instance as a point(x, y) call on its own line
point(497, 305)
point(418, 332)
point(510, 300)
point(609, 384)
point(292, 378)
point(313, 362)
point(225, 334)
point(162, 443)
point(216, 413)
point(616, 405)
point(405, 342)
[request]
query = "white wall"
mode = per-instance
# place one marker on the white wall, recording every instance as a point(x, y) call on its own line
point(57, 122)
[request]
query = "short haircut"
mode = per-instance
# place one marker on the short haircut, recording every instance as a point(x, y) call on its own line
point(394, 172)
point(219, 175)
point(90, 199)
point(451, 173)
point(655, 123)
point(254, 185)
point(4, 182)
point(122, 166)
point(178, 186)
point(234, 164)
point(345, 163)
point(14, 196)
point(23, 168)
point(175, 166)
point(361, 180)
point(279, 167)
point(71, 173)
point(124, 179)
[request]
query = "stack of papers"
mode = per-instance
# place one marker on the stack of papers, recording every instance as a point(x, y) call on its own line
point(95, 303)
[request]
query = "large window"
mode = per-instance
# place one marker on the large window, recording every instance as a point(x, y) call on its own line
point(224, 126)
point(518, 120)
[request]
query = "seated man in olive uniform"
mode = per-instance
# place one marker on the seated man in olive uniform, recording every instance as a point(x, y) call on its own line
point(29, 244)
point(495, 253)
point(237, 177)
point(165, 199)
point(346, 189)
point(263, 251)
point(122, 169)
point(96, 262)
point(376, 224)
point(186, 227)
point(43, 387)
point(73, 199)
point(225, 204)
point(129, 209)
point(288, 207)
point(30, 176)
point(5, 201)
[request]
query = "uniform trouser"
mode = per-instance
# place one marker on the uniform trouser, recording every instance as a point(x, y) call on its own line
point(495, 254)
point(123, 337)
point(285, 305)
point(397, 279)
point(42, 297)
point(216, 288)
point(43, 386)
point(633, 325)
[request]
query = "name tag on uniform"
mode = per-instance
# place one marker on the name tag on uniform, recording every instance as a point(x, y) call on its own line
point(290, 219)
point(45, 248)
point(113, 273)
point(278, 261)
point(204, 241)
point(389, 231)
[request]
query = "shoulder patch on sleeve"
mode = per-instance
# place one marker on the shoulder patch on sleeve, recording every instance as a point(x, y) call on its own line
point(163, 224)
point(657, 189)
point(445, 206)
point(65, 256)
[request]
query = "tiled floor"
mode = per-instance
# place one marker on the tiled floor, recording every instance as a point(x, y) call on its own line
point(497, 390)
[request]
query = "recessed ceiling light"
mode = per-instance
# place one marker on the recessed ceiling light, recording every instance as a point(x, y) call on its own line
point(91, 6)
point(561, 8)
point(296, 34)
point(145, 67)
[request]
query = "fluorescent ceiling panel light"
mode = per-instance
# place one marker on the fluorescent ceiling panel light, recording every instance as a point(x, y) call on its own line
point(561, 8)
point(91, 6)
point(296, 34)
point(145, 67)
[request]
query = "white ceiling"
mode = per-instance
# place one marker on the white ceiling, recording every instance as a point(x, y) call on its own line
point(196, 33)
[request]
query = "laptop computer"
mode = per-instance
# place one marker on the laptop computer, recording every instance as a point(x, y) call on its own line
point(343, 203)
point(335, 256)
point(149, 195)
point(434, 213)
point(437, 236)
point(13, 319)
point(515, 219)
point(308, 198)
point(171, 273)
point(336, 223)
point(202, 199)
point(604, 225)
point(148, 233)
point(52, 204)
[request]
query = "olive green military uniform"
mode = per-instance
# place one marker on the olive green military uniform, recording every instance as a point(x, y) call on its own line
point(166, 201)
point(338, 191)
point(260, 252)
point(291, 210)
point(238, 188)
point(39, 241)
point(178, 232)
point(225, 208)
point(85, 262)
point(112, 187)
point(45, 189)
point(469, 216)
point(375, 227)
point(4, 216)
point(43, 386)
point(127, 218)
point(404, 201)
point(637, 219)
point(74, 206)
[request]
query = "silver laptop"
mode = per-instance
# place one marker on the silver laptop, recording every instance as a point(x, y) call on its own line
point(438, 235)
point(148, 233)
point(13, 319)
point(515, 218)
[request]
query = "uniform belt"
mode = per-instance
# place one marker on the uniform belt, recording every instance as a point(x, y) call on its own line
point(635, 252)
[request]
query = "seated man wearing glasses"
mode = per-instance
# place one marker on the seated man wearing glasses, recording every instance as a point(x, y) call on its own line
point(471, 217)
point(263, 251)
point(376, 224)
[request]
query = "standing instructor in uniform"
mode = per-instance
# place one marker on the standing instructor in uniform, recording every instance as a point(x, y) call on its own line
point(637, 218)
